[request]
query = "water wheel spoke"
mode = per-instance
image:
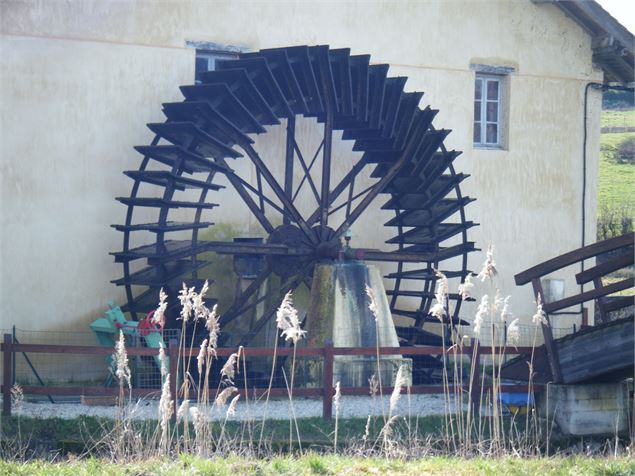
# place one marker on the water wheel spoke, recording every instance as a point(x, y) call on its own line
point(291, 211)
point(240, 187)
point(261, 196)
point(307, 171)
point(235, 310)
point(341, 187)
point(290, 284)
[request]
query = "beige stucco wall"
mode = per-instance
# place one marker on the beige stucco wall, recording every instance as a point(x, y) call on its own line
point(80, 79)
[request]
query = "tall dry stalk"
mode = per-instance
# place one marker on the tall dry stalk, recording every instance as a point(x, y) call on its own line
point(372, 305)
point(122, 369)
point(193, 307)
point(488, 271)
point(336, 403)
point(366, 431)
point(185, 296)
point(17, 447)
point(472, 411)
point(249, 420)
point(400, 382)
point(231, 411)
point(204, 362)
point(288, 323)
point(273, 370)
point(463, 430)
point(538, 319)
point(166, 404)
point(123, 375)
point(490, 309)
point(440, 309)
point(373, 390)
point(387, 429)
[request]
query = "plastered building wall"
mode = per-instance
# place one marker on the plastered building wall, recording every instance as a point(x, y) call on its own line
point(80, 79)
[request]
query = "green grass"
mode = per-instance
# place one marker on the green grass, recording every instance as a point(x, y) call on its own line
point(616, 181)
point(618, 118)
point(614, 279)
point(312, 464)
point(70, 435)
point(614, 138)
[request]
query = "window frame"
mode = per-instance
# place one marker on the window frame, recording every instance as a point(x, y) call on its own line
point(485, 79)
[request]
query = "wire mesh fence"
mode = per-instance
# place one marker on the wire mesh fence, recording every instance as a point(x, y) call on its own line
point(497, 333)
point(45, 369)
point(69, 369)
point(307, 372)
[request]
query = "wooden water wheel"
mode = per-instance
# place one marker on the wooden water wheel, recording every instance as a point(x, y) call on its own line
point(204, 138)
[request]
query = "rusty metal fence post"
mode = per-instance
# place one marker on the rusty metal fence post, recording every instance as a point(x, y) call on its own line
point(327, 395)
point(7, 359)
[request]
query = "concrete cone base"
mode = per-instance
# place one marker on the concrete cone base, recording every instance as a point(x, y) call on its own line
point(338, 311)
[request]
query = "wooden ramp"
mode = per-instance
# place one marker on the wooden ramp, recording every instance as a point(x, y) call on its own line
point(601, 353)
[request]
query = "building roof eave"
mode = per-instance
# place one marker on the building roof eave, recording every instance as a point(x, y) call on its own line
point(613, 45)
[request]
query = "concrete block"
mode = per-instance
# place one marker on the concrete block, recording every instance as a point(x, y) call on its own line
point(586, 409)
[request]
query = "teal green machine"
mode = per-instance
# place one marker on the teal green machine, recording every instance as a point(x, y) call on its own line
point(106, 330)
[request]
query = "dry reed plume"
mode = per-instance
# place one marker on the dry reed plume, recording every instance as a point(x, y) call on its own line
point(465, 431)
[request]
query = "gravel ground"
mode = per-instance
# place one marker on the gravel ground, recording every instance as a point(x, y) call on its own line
point(350, 406)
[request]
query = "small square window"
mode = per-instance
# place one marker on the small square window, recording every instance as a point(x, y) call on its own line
point(488, 100)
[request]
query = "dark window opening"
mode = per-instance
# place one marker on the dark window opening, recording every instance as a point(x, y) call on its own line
point(206, 60)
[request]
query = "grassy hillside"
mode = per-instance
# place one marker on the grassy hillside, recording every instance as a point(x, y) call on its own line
point(618, 118)
point(616, 188)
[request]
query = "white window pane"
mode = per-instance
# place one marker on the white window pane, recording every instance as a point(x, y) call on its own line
point(477, 110)
point(492, 111)
point(478, 89)
point(477, 132)
point(492, 89)
point(492, 134)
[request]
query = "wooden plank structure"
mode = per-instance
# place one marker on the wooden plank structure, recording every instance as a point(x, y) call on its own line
point(605, 352)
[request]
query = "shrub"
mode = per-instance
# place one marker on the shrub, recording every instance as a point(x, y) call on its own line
point(625, 153)
point(614, 222)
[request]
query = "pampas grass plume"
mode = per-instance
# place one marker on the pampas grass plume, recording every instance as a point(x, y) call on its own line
point(287, 320)
point(400, 381)
point(228, 372)
point(513, 333)
point(224, 395)
point(121, 360)
point(488, 271)
point(539, 317)
point(231, 410)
